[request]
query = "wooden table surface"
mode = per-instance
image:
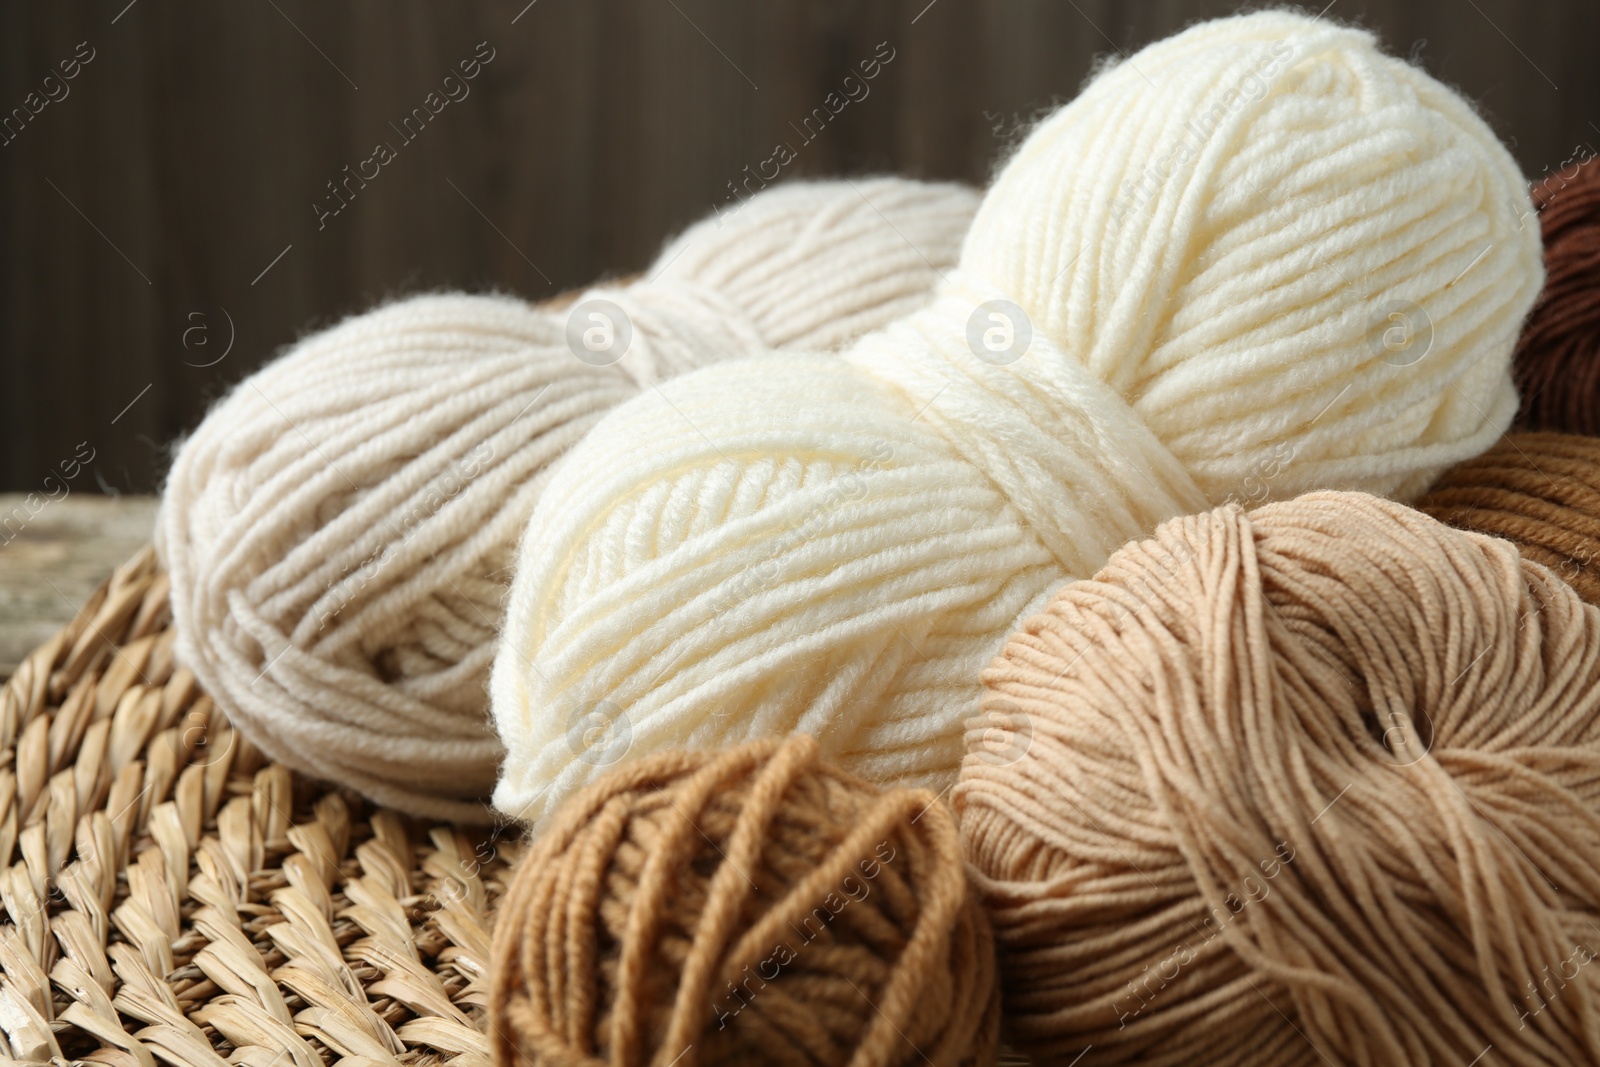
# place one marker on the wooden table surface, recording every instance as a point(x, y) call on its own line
point(56, 556)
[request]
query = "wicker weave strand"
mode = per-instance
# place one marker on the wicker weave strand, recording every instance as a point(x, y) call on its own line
point(172, 897)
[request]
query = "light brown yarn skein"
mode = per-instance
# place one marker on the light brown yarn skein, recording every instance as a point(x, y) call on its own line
point(1317, 783)
point(748, 905)
point(1541, 492)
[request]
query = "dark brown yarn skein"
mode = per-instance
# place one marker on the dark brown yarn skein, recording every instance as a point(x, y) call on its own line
point(1558, 356)
point(1540, 491)
point(748, 905)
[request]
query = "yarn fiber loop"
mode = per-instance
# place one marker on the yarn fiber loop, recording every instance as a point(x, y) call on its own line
point(838, 547)
point(340, 530)
point(1315, 782)
point(1541, 492)
point(749, 905)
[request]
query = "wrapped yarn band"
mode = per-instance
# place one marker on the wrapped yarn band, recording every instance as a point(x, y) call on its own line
point(752, 905)
point(1315, 783)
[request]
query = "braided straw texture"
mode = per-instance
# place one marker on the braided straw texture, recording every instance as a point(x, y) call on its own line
point(169, 895)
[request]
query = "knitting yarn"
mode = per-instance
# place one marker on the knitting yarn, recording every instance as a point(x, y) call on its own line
point(1311, 784)
point(1541, 492)
point(752, 905)
point(339, 529)
point(1558, 357)
point(1254, 259)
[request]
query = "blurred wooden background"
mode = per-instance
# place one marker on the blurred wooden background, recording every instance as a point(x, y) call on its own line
point(160, 214)
point(48, 572)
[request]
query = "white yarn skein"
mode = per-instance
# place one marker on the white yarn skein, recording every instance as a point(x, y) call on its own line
point(840, 546)
point(339, 530)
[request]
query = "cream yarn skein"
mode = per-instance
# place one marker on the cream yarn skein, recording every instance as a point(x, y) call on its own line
point(339, 529)
point(1202, 263)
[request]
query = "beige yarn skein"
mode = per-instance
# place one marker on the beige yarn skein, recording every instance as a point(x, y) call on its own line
point(1312, 784)
point(339, 529)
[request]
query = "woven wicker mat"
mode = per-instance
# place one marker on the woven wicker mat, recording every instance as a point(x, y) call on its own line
point(175, 897)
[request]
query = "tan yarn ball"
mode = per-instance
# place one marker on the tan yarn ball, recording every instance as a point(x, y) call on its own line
point(742, 906)
point(1314, 784)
